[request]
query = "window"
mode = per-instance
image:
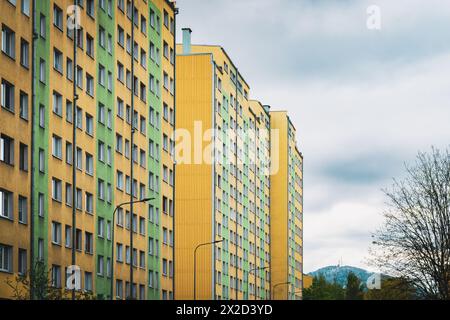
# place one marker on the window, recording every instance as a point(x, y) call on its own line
point(6, 149)
point(143, 92)
point(119, 180)
point(108, 267)
point(79, 118)
point(78, 240)
point(119, 143)
point(58, 17)
point(142, 159)
point(56, 233)
point(90, 8)
point(56, 189)
point(120, 36)
point(89, 45)
point(69, 69)
point(164, 267)
point(23, 210)
point(88, 281)
point(109, 193)
point(41, 205)
point(101, 113)
point(57, 60)
point(165, 238)
point(57, 147)
point(109, 119)
point(79, 77)
point(143, 59)
point(6, 204)
point(165, 204)
point(89, 85)
point(25, 7)
point(23, 108)
point(57, 103)
point(89, 243)
point(101, 151)
point(8, 42)
point(6, 257)
point(41, 163)
point(79, 158)
point(68, 236)
point(7, 95)
point(110, 44)
point(166, 81)
point(101, 189)
point(110, 81)
point(22, 261)
point(166, 19)
point(108, 156)
point(143, 25)
point(101, 75)
point(23, 157)
point(80, 37)
point(101, 37)
point(141, 259)
point(42, 73)
point(41, 116)
point(101, 227)
point(68, 194)
point(69, 152)
point(166, 50)
point(119, 289)
point(89, 164)
point(119, 252)
point(40, 251)
point(89, 203)
point(24, 53)
point(42, 26)
point(89, 124)
point(100, 265)
point(142, 226)
point(120, 72)
point(56, 276)
point(120, 111)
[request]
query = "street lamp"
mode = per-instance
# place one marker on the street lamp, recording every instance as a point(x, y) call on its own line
point(278, 284)
point(248, 278)
point(112, 240)
point(195, 262)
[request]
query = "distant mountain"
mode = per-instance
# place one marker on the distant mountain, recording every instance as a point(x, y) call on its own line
point(339, 274)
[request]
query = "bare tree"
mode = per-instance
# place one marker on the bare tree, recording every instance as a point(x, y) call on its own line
point(414, 242)
point(21, 286)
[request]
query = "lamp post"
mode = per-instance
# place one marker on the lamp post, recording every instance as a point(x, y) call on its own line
point(112, 239)
point(276, 285)
point(248, 277)
point(195, 262)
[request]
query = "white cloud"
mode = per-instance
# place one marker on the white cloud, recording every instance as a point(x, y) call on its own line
point(341, 233)
point(363, 101)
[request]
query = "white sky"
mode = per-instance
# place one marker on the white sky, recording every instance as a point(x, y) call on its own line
point(363, 101)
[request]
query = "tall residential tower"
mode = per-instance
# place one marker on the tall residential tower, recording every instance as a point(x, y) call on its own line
point(286, 211)
point(223, 190)
point(115, 88)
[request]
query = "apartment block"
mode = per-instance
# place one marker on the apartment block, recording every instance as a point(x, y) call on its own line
point(286, 194)
point(223, 183)
point(115, 87)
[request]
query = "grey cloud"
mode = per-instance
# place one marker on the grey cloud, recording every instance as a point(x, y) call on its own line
point(363, 102)
point(363, 169)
